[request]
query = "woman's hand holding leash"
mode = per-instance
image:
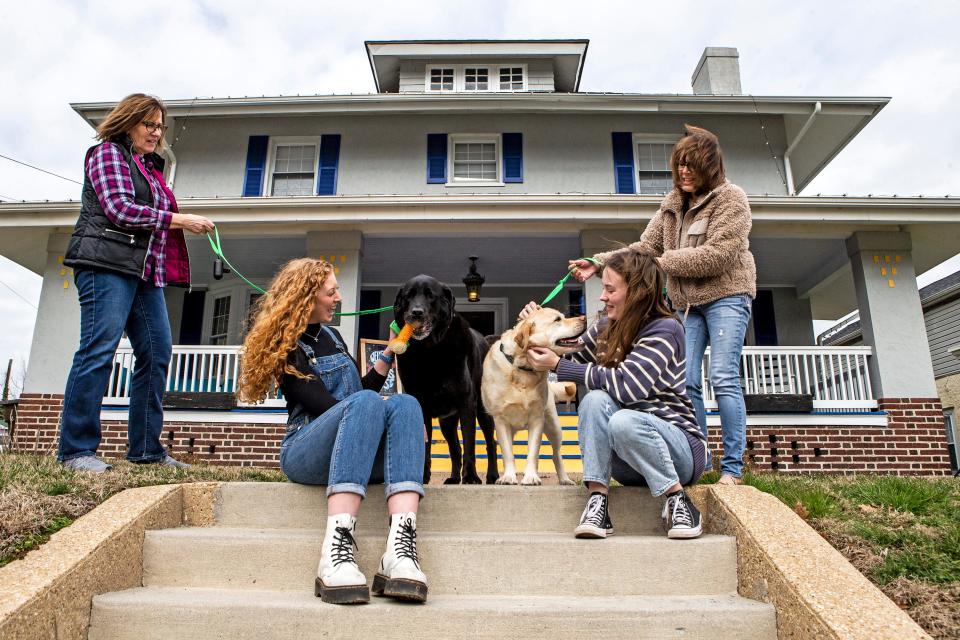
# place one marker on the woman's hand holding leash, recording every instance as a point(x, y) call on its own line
point(583, 269)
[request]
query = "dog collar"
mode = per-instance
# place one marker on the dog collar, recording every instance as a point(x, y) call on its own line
point(510, 360)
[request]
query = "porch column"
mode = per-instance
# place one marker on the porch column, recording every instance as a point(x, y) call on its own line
point(890, 314)
point(343, 249)
point(56, 334)
point(794, 318)
point(594, 241)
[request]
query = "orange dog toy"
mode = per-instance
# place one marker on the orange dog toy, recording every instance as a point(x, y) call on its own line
point(399, 344)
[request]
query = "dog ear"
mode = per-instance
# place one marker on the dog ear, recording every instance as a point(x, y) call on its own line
point(522, 335)
point(448, 295)
point(398, 305)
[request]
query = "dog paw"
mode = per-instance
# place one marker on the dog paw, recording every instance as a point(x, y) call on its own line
point(566, 480)
point(472, 479)
point(507, 478)
point(531, 480)
point(452, 480)
point(493, 479)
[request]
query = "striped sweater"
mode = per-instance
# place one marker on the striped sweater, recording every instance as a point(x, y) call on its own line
point(651, 379)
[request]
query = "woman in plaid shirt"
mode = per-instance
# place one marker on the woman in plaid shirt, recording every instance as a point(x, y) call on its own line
point(126, 246)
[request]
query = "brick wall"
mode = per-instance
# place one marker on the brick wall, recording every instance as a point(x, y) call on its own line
point(912, 443)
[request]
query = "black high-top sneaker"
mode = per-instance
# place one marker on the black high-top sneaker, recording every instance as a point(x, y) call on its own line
point(594, 521)
point(680, 517)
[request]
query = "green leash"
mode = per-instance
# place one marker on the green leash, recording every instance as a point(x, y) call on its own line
point(214, 241)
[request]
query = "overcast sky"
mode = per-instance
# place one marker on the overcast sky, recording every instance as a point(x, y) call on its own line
point(56, 52)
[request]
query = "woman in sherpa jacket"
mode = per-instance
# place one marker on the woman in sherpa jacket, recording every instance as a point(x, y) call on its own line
point(700, 235)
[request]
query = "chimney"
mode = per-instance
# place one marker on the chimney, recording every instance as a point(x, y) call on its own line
point(718, 72)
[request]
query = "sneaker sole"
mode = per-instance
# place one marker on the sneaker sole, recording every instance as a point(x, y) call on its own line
point(685, 534)
point(589, 532)
point(348, 594)
point(399, 588)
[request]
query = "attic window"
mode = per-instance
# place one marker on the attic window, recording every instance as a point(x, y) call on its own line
point(511, 79)
point(441, 79)
point(476, 79)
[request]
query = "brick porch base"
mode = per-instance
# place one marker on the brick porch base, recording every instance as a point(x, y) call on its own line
point(912, 443)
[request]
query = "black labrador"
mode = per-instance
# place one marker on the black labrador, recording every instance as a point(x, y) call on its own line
point(441, 368)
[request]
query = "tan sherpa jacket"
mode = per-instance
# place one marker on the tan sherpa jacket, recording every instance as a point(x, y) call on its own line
point(705, 253)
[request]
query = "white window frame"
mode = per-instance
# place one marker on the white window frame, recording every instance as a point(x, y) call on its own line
point(272, 156)
point(463, 138)
point(526, 80)
point(649, 138)
point(227, 295)
point(459, 77)
point(497, 305)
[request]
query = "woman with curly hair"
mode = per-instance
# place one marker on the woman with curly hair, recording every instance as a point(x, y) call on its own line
point(340, 432)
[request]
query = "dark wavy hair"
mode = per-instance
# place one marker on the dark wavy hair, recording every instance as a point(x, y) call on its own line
point(645, 302)
point(700, 151)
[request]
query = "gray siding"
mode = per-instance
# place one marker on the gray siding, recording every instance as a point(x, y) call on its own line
point(539, 72)
point(943, 332)
point(562, 153)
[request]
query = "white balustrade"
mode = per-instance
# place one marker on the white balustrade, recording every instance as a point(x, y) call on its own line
point(838, 378)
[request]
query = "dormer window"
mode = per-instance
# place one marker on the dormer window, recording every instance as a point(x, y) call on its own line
point(441, 78)
point(466, 78)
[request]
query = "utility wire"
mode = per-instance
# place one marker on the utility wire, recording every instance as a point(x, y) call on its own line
point(766, 141)
point(57, 175)
point(3, 197)
point(18, 295)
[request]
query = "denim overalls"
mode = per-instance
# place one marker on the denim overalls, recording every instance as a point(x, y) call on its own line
point(362, 434)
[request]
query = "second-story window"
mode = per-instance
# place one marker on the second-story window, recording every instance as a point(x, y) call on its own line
point(441, 78)
point(653, 163)
point(475, 159)
point(476, 79)
point(293, 169)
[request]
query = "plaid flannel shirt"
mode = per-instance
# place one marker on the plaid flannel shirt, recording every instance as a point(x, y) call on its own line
point(110, 175)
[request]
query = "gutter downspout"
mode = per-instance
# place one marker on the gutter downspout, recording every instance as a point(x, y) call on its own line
point(791, 190)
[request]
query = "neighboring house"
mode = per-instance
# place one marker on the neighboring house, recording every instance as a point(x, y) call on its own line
point(941, 317)
point(490, 149)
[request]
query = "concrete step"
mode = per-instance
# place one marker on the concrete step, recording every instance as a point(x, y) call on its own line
point(455, 563)
point(446, 508)
point(148, 613)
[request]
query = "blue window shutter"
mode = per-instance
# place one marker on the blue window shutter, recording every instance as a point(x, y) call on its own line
point(329, 159)
point(256, 165)
point(436, 158)
point(623, 162)
point(513, 157)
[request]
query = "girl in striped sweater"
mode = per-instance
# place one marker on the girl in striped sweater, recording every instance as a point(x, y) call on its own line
point(636, 424)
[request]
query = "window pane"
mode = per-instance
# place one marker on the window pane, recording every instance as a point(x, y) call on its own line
point(475, 160)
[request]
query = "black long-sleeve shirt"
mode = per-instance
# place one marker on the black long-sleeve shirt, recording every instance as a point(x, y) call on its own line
point(312, 394)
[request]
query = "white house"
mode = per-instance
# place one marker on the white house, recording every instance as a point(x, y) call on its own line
point(489, 149)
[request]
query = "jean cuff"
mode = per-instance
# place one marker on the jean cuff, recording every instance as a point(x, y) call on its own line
point(73, 456)
point(347, 487)
point(598, 480)
point(146, 459)
point(399, 487)
point(663, 488)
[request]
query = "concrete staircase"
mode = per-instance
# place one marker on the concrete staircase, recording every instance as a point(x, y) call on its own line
point(501, 562)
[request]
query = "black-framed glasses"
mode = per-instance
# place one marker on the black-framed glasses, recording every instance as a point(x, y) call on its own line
point(154, 126)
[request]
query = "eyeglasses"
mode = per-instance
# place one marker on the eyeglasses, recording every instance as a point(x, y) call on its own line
point(154, 126)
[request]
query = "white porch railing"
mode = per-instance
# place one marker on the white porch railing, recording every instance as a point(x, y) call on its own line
point(838, 378)
point(212, 369)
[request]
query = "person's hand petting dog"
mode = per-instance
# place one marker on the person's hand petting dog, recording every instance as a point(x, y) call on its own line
point(542, 359)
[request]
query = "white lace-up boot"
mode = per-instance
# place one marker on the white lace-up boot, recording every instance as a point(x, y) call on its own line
point(399, 575)
point(339, 579)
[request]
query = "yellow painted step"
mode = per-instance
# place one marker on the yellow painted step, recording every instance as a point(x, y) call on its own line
point(570, 450)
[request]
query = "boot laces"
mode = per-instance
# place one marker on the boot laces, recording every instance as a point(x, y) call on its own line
point(405, 544)
point(343, 546)
point(680, 513)
point(595, 512)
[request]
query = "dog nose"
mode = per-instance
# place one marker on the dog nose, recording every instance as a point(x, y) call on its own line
point(416, 314)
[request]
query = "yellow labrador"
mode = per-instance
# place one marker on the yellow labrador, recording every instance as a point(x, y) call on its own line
point(520, 398)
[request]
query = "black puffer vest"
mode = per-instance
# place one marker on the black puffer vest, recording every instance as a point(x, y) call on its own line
point(98, 243)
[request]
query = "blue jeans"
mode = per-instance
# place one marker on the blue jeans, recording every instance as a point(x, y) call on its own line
point(632, 447)
point(359, 440)
point(111, 303)
point(722, 324)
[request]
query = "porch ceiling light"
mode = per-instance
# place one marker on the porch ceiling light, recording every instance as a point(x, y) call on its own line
point(473, 281)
